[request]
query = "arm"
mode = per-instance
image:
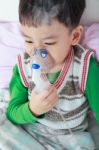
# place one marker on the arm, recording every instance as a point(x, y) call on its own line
point(92, 87)
point(18, 110)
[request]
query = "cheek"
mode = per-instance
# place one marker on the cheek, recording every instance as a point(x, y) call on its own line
point(56, 54)
point(60, 52)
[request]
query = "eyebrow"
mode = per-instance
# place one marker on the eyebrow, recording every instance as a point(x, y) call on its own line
point(50, 37)
point(45, 38)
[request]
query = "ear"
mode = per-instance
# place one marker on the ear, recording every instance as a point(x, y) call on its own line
point(76, 34)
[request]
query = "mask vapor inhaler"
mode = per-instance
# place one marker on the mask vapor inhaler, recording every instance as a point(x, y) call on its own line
point(41, 63)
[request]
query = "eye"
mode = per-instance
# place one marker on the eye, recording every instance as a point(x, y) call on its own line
point(30, 42)
point(52, 43)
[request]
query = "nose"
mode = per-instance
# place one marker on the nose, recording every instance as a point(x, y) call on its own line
point(41, 52)
point(37, 45)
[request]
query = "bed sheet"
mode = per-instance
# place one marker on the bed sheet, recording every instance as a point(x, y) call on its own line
point(14, 137)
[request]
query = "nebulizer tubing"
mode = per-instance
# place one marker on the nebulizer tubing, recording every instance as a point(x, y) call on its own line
point(35, 65)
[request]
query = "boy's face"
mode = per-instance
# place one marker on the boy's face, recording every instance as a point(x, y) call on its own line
point(56, 38)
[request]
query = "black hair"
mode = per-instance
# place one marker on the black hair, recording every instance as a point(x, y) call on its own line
point(37, 12)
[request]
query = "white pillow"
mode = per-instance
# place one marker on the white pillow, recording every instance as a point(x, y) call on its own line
point(91, 38)
point(11, 43)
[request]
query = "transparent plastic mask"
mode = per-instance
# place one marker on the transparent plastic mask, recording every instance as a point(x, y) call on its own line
point(43, 58)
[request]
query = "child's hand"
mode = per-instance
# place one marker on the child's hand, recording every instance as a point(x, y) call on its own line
point(42, 103)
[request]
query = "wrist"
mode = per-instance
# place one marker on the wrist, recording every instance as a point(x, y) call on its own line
point(33, 111)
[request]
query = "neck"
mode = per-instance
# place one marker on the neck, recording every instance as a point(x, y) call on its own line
point(56, 68)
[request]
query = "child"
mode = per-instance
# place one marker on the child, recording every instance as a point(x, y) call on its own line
point(61, 110)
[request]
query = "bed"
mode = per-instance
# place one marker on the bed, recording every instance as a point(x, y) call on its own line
point(11, 43)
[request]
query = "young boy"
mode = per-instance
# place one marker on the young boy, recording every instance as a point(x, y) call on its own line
point(54, 25)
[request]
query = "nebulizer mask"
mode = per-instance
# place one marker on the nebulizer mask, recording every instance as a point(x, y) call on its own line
point(41, 63)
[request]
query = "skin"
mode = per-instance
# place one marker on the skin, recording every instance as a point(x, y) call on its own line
point(58, 40)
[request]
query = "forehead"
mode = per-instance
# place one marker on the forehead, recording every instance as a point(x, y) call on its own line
point(55, 28)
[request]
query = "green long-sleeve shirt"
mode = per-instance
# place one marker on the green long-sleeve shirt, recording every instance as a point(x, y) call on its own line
point(18, 110)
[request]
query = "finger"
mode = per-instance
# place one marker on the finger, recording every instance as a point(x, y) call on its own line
point(51, 90)
point(52, 98)
point(47, 93)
